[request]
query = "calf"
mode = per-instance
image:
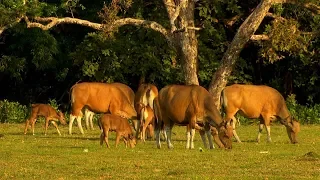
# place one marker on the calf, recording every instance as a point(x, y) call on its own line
point(262, 102)
point(49, 113)
point(146, 120)
point(121, 126)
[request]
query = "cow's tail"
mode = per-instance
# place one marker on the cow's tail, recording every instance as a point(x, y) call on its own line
point(157, 113)
point(223, 103)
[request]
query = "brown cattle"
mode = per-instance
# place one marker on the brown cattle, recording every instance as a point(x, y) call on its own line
point(144, 97)
point(146, 121)
point(121, 126)
point(128, 92)
point(189, 105)
point(46, 111)
point(101, 98)
point(258, 101)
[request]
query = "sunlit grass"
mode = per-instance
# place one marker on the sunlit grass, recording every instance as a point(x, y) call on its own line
point(55, 157)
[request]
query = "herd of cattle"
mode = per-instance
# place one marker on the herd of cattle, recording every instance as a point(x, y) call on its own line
point(187, 105)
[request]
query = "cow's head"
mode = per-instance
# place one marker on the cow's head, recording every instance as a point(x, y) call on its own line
point(132, 140)
point(293, 127)
point(225, 134)
point(62, 118)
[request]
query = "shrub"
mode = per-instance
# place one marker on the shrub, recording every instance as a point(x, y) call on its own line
point(12, 112)
point(305, 114)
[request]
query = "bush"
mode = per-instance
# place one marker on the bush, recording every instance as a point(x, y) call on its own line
point(12, 112)
point(305, 114)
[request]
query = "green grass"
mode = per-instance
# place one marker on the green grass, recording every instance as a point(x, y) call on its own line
point(54, 157)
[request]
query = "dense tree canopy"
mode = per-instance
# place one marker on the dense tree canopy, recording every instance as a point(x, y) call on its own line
point(37, 65)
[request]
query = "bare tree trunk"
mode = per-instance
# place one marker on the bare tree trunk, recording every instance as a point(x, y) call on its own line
point(187, 44)
point(244, 33)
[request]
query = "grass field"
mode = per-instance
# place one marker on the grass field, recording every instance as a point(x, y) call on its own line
point(65, 157)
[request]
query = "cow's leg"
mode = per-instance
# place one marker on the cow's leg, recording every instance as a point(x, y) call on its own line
point(79, 124)
point(260, 130)
point(26, 126)
point(56, 126)
point(234, 129)
point(203, 138)
point(206, 130)
point(144, 132)
point(158, 143)
point(230, 114)
point(188, 133)
point(72, 117)
point(33, 122)
point(192, 133)
point(168, 132)
point(268, 133)
point(101, 138)
point(266, 120)
point(125, 142)
point(106, 138)
point(46, 126)
point(91, 121)
point(118, 135)
point(87, 117)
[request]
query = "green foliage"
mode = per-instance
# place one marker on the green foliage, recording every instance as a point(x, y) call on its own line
point(12, 112)
point(10, 11)
point(54, 104)
point(14, 66)
point(305, 114)
point(285, 37)
point(107, 60)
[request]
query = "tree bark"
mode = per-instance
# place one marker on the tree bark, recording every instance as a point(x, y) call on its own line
point(188, 45)
point(243, 35)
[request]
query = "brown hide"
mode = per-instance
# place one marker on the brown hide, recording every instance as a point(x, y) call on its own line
point(144, 97)
point(128, 92)
point(146, 121)
point(101, 98)
point(46, 111)
point(258, 101)
point(189, 105)
point(121, 126)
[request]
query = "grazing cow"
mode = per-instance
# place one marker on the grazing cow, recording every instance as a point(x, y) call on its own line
point(121, 126)
point(124, 88)
point(48, 112)
point(189, 105)
point(146, 120)
point(258, 101)
point(101, 98)
point(144, 98)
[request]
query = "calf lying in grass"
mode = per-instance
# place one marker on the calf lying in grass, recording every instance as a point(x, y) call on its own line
point(49, 113)
point(121, 126)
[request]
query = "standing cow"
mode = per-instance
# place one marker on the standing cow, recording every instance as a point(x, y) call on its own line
point(101, 98)
point(143, 104)
point(189, 105)
point(128, 92)
point(258, 101)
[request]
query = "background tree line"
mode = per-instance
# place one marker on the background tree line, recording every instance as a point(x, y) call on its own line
point(47, 46)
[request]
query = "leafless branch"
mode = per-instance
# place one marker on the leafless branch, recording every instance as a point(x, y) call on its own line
point(53, 21)
point(261, 37)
